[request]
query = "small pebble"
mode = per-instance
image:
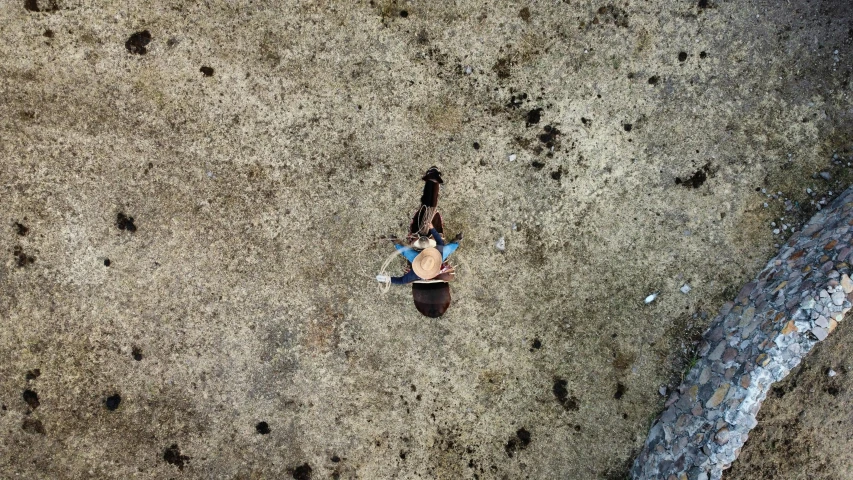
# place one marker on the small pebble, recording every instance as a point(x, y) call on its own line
point(775, 231)
point(501, 244)
point(651, 298)
point(662, 390)
point(831, 373)
point(685, 288)
point(511, 157)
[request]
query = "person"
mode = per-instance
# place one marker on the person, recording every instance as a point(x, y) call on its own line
point(426, 256)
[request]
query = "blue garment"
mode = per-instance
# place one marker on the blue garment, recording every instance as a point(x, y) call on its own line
point(410, 254)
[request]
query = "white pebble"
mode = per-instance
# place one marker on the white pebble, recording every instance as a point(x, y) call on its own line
point(468, 70)
point(511, 157)
point(501, 244)
point(808, 190)
point(662, 391)
point(765, 205)
point(685, 288)
point(772, 224)
point(651, 298)
point(831, 373)
point(775, 231)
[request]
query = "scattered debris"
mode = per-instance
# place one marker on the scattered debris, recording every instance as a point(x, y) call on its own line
point(651, 298)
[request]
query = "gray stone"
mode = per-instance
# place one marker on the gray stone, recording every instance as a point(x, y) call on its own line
point(838, 298)
point(747, 316)
point(722, 436)
point(679, 445)
point(704, 376)
point(820, 333)
point(747, 330)
point(717, 352)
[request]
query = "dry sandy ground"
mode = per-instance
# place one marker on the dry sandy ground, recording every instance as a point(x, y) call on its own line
point(263, 148)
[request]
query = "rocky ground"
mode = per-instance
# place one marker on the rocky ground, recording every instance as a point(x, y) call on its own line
point(803, 429)
point(193, 197)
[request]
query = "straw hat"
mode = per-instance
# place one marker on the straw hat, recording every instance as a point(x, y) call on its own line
point(428, 263)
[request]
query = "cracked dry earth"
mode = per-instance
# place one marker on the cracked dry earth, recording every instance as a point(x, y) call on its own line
point(193, 197)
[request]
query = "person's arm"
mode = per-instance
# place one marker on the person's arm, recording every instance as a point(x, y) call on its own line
point(436, 236)
point(409, 277)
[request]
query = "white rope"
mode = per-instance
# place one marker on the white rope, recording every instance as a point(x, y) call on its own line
point(386, 285)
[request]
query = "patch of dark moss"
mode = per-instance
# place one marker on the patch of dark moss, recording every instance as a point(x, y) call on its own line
point(173, 456)
point(519, 442)
point(138, 42)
